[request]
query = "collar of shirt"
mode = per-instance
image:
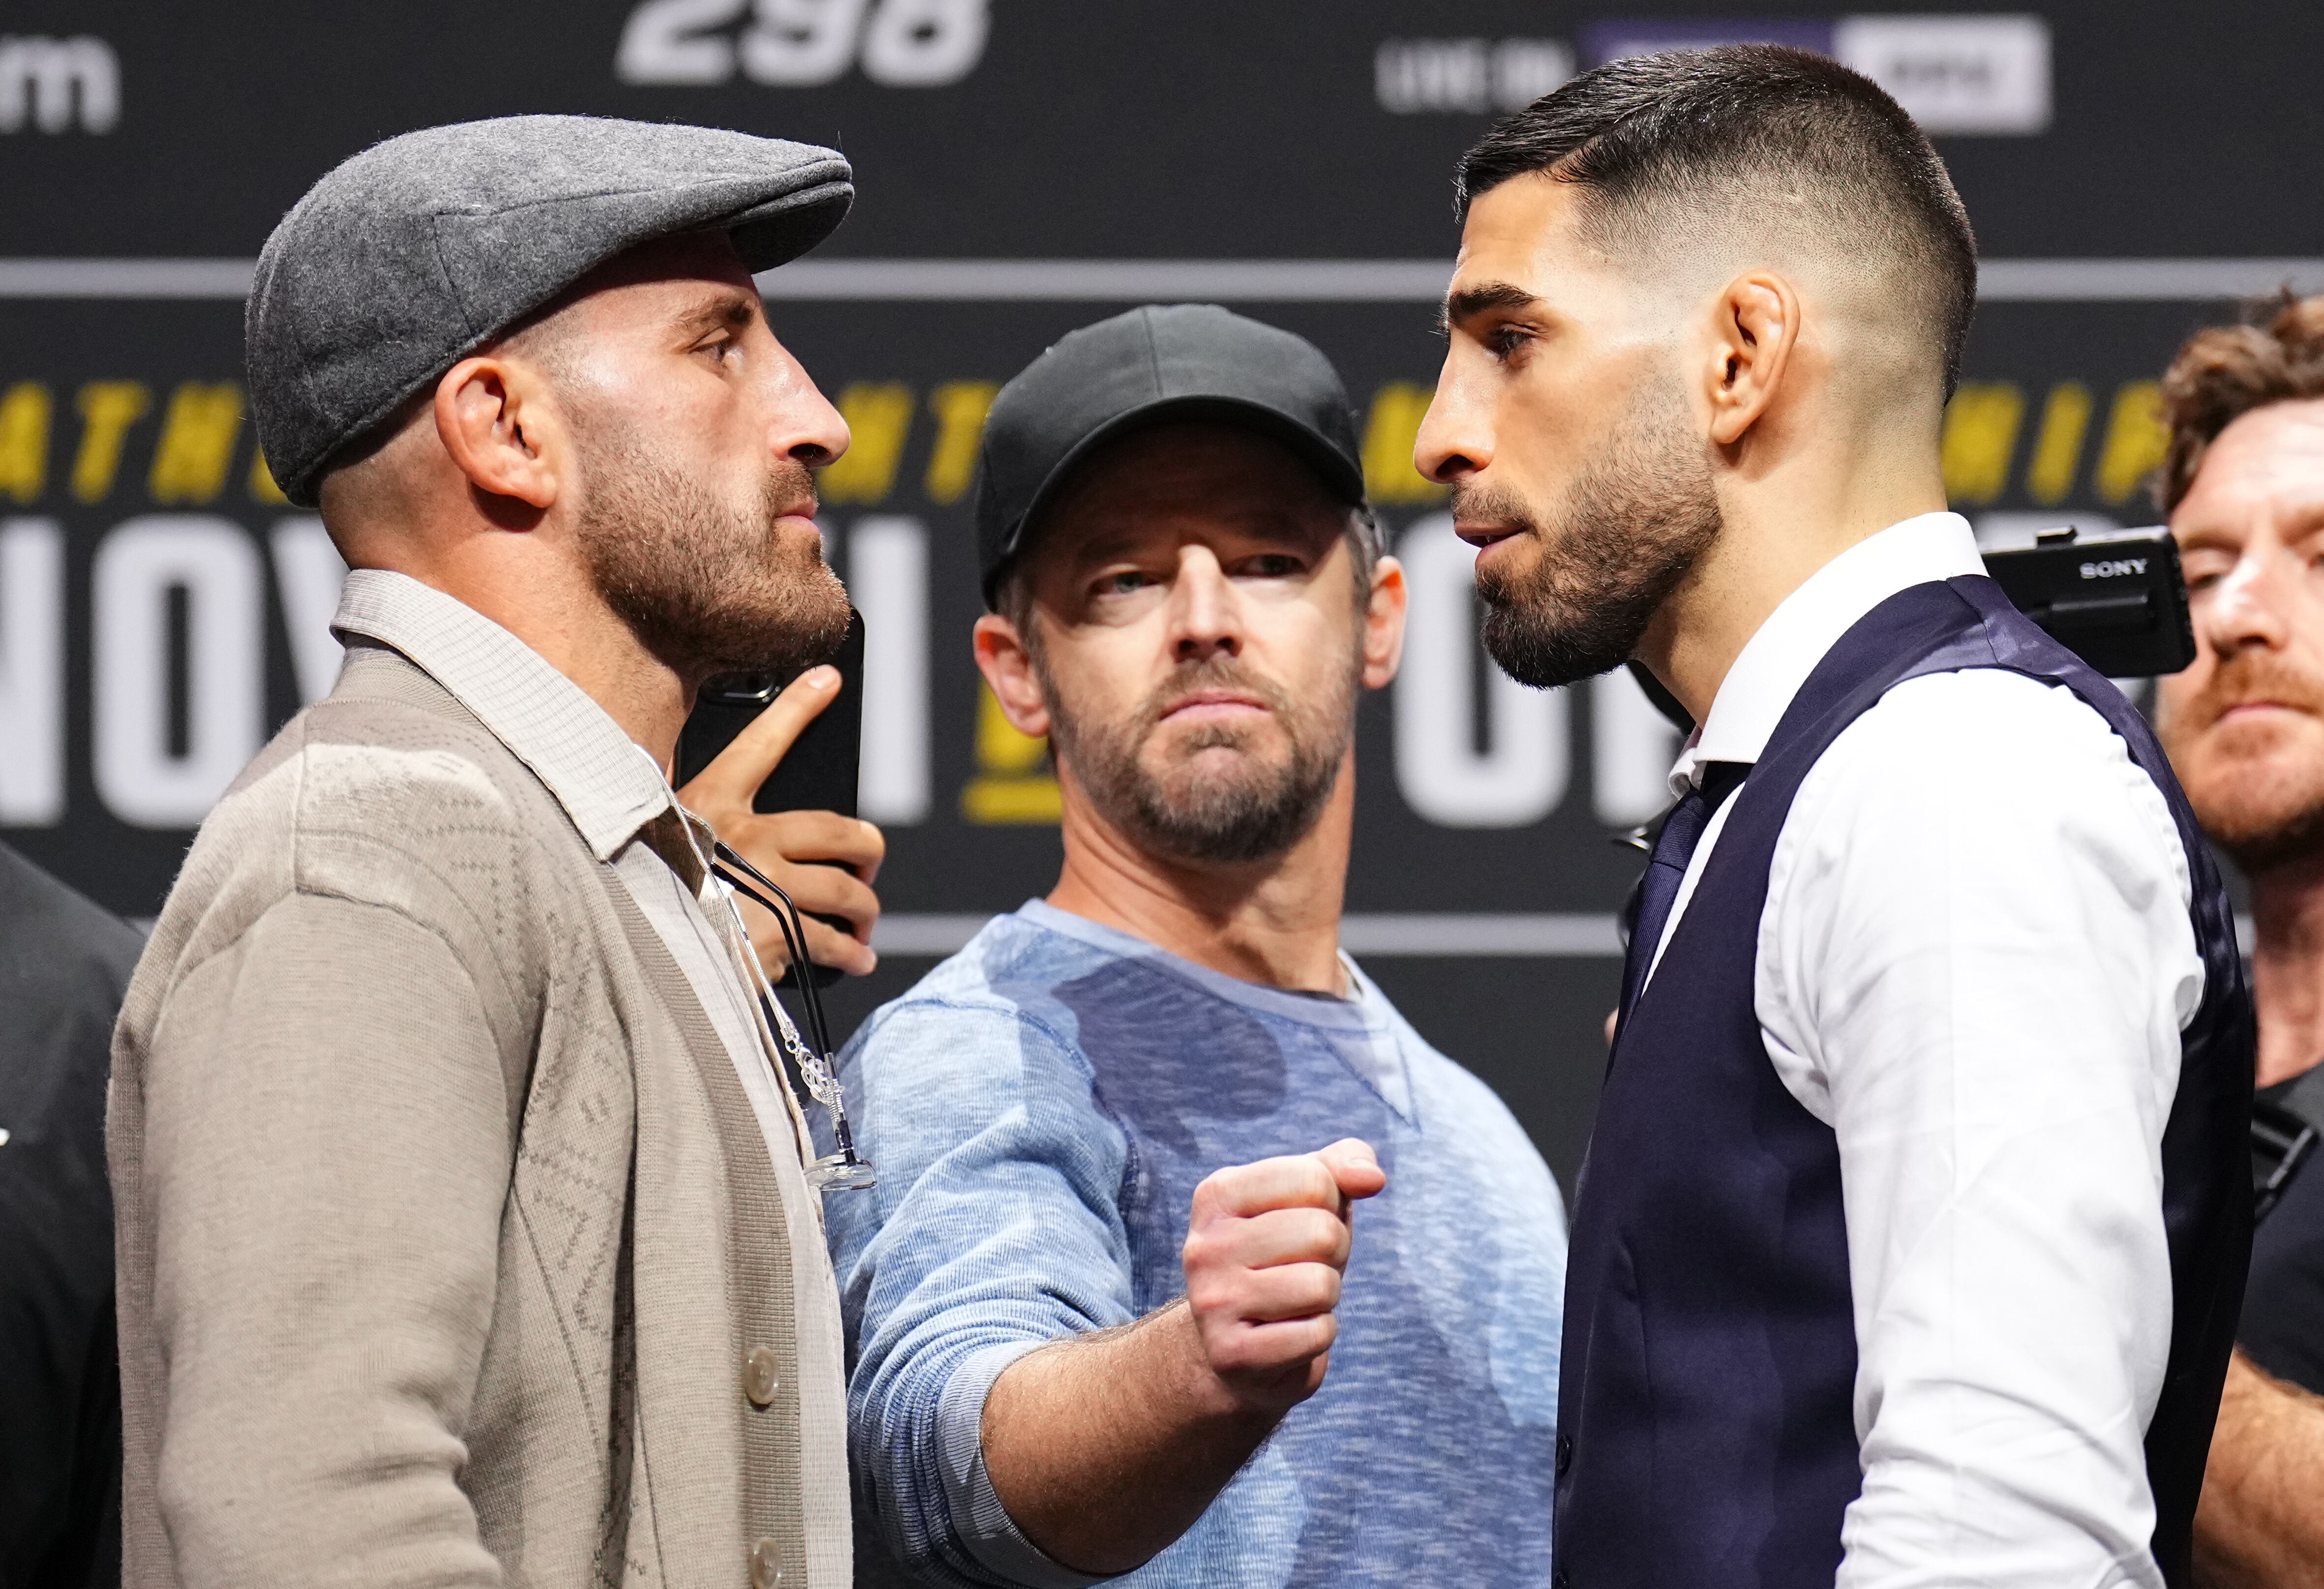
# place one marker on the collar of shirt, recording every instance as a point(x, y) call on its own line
point(1777, 660)
point(1362, 1020)
point(607, 782)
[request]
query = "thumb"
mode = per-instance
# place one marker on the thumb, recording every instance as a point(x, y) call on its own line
point(1353, 1165)
point(731, 780)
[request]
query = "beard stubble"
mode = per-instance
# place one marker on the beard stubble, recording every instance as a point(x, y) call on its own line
point(2263, 821)
point(705, 586)
point(1254, 811)
point(1633, 525)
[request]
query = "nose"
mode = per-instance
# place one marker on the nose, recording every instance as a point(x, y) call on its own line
point(1456, 436)
point(804, 425)
point(1205, 614)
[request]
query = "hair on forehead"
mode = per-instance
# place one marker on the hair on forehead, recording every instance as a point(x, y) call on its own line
point(1692, 137)
point(2224, 372)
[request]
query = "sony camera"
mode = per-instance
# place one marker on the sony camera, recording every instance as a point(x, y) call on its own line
point(2118, 601)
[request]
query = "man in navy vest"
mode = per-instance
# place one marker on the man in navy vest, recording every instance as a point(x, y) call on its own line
point(1915, 1216)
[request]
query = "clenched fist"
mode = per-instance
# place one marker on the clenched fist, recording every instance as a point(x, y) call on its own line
point(1266, 1248)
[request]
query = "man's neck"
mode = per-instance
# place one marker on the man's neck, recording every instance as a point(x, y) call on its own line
point(1777, 531)
point(556, 611)
point(2288, 966)
point(1274, 922)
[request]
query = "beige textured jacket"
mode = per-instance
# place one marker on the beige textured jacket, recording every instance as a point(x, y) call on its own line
point(450, 1253)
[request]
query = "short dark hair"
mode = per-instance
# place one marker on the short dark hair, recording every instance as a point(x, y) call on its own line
point(2224, 372)
point(1649, 134)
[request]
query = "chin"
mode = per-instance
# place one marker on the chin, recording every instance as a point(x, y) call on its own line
point(1190, 770)
point(2253, 753)
point(2250, 804)
point(1508, 563)
point(800, 532)
point(1202, 765)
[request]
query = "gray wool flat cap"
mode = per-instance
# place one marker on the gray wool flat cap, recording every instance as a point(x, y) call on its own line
point(410, 255)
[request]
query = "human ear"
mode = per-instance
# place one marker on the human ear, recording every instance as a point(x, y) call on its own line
point(1756, 324)
point(498, 426)
point(1008, 670)
point(1384, 623)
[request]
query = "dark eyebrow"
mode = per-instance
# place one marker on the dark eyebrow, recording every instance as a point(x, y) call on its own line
point(732, 308)
point(1472, 301)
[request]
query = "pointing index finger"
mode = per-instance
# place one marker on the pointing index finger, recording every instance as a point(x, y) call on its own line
point(735, 776)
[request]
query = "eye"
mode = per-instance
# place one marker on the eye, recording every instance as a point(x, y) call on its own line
point(1122, 582)
point(1505, 339)
point(1272, 566)
point(2205, 567)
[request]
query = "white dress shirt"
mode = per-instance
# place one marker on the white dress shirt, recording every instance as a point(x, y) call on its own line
point(615, 794)
point(1974, 965)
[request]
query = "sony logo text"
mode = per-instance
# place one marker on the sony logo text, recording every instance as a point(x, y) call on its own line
point(2114, 568)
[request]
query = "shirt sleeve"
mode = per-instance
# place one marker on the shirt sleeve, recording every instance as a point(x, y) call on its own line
point(995, 1228)
point(1975, 962)
point(325, 1159)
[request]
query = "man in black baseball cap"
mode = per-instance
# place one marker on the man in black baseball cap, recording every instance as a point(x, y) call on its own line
point(465, 1235)
point(1120, 1133)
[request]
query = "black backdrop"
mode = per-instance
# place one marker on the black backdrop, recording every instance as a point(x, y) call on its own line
point(1025, 167)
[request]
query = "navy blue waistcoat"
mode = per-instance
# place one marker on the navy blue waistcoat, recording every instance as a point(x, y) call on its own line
point(1705, 1431)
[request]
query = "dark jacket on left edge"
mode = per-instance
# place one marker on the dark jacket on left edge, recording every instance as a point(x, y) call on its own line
point(64, 964)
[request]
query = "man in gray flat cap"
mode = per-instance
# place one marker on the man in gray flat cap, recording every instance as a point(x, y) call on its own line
point(465, 1233)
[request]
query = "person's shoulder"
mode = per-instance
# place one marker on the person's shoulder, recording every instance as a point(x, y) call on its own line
point(1449, 1095)
point(1964, 741)
point(392, 749)
point(989, 1003)
point(1990, 715)
point(2019, 773)
point(379, 800)
point(388, 754)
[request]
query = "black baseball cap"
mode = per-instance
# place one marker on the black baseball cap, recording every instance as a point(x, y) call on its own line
point(1179, 361)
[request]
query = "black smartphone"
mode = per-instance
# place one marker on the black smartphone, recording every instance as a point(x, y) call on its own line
point(2118, 601)
point(820, 774)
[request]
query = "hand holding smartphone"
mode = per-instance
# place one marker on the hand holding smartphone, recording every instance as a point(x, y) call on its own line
point(769, 761)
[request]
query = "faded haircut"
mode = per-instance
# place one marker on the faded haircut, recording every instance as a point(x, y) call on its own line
point(1665, 142)
point(2224, 372)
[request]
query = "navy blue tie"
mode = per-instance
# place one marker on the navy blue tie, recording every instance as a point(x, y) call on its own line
point(1657, 891)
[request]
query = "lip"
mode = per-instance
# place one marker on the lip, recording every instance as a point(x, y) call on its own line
point(1484, 536)
point(2242, 708)
point(1205, 704)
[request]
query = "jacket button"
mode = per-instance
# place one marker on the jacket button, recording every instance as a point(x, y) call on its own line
point(1564, 1454)
point(765, 1571)
point(1557, 1578)
point(759, 1378)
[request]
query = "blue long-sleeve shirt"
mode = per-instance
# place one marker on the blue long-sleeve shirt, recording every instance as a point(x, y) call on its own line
point(1040, 1110)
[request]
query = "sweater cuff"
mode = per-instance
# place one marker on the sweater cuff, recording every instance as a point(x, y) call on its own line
point(979, 1521)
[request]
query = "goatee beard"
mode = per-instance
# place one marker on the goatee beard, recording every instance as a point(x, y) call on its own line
point(705, 585)
point(1632, 527)
point(1254, 813)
